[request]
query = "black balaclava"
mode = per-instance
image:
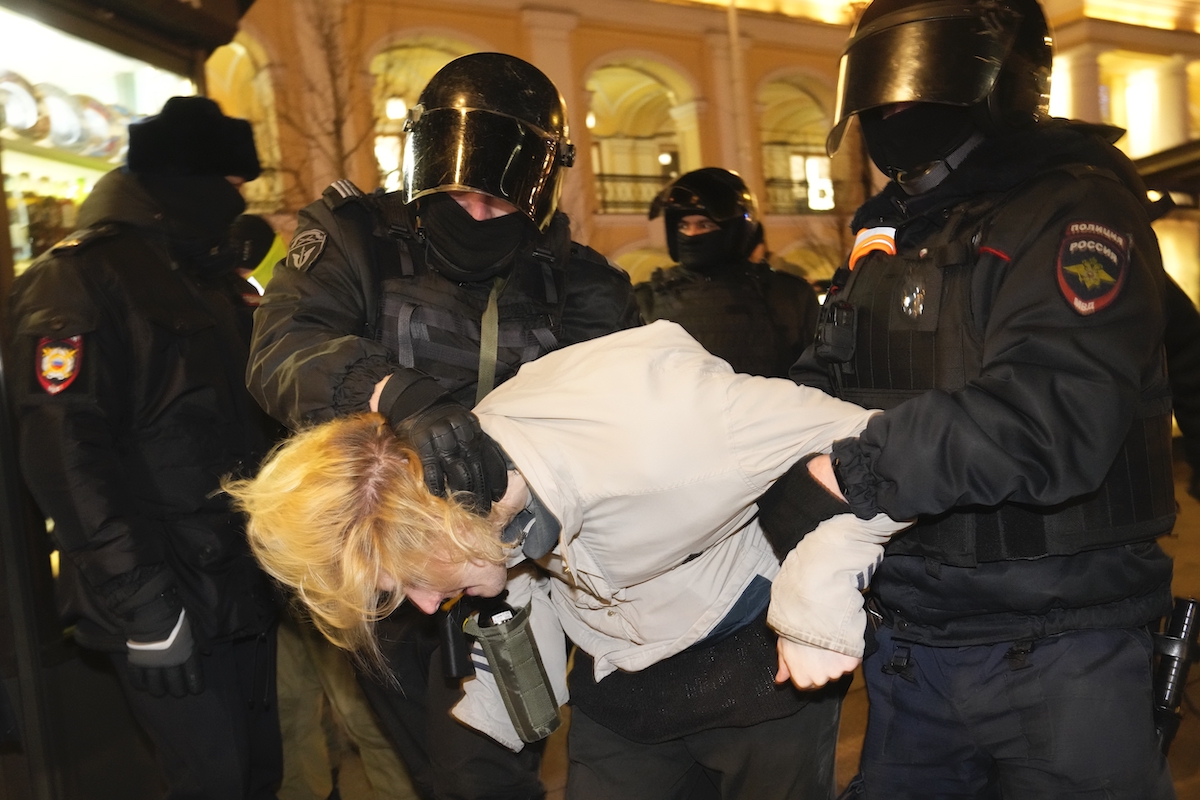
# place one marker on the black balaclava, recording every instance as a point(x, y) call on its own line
point(709, 253)
point(469, 249)
point(197, 212)
point(906, 143)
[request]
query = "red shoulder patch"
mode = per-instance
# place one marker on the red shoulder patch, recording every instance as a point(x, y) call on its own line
point(1093, 261)
point(58, 362)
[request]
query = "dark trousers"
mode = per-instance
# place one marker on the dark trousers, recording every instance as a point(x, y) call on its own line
point(446, 759)
point(784, 759)
point(1070, 719)
point(222, 744)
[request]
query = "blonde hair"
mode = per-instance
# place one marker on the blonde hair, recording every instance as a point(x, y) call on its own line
point(339, 505)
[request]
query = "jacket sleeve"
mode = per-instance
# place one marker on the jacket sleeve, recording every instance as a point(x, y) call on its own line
point(1058, 389)
point(816, 598)
point(312, 355)
point(1182, 342)
point(599, 299)
point(70, 446)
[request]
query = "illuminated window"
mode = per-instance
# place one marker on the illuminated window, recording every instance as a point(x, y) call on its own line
point(401, 72)
point(796, 171)
point(637, 147)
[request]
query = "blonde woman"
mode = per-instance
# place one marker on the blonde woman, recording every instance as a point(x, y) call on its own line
point(629, 525)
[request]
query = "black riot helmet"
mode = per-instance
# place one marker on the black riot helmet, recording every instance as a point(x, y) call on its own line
point(992, 56)
point(490, 123)
point(720, 195)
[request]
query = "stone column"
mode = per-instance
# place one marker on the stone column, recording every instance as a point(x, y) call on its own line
point(550, 51)
point(1083, 65)
point(687, 129)
point(720, 78)
point(1171, 124)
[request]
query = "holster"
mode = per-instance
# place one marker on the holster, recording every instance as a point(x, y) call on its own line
point(1176, 650)
point(517, 665)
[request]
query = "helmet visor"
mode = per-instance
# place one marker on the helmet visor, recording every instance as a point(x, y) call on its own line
point(451, 149)
point(718, 203)
point(947, 53)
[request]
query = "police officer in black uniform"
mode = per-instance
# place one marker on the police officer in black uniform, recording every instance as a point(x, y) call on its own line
point(1005, 306)
point(416, 303)
point(740, 309)
point(130, 345)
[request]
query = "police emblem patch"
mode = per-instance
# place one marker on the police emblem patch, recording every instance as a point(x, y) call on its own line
point(306, 248)
point(1093, 260)
point(58, 362)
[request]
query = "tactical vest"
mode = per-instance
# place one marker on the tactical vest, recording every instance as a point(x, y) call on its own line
point(728, 314)
point(914, 332)
point(434, 324)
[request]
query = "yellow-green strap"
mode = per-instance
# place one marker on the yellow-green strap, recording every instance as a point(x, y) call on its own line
point(489, 341)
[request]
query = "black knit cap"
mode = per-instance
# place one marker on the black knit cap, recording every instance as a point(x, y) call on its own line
point(190, 136)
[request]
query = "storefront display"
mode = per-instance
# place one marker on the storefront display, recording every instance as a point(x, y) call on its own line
point(65, 108)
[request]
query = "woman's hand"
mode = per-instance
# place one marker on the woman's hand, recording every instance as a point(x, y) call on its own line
point(811, 667)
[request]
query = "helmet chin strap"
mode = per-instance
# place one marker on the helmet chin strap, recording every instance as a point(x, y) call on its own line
point(915, 182)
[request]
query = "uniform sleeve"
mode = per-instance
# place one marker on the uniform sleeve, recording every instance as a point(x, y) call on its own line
point(599, 300)
point(71, 381)
point(1182, 342)
point(811, 370)
point(312, 357)
point(1058, 389)
point(794, 302)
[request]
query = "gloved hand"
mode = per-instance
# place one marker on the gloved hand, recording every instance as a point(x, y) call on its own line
point(457, 455)
point(170, 666)
point(794, 506)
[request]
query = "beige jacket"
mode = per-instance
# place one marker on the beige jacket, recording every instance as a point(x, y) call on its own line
point(650, 453)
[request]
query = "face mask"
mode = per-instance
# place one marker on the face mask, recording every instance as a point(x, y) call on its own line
point(707, 252)
point(197, 212)
point(915, 137)
point(470, 249)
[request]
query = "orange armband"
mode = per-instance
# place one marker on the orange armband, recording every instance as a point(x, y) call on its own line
point(869, 239)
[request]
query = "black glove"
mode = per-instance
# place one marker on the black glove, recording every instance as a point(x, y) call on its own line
point(172, 669)
point(794, 506)
point(457, 455)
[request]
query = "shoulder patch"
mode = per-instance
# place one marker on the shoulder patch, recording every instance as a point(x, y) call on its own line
point(58, 362)
point(306, 248)
point(1093, 261)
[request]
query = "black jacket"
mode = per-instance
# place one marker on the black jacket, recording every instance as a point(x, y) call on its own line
point(318, 350)
point(1182, 340)
point(127, 379)
point(757, 319)
point(1032, 401)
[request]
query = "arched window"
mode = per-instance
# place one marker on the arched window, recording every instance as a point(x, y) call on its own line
point(644, 133)
point(239, 79)
point(796, 170)
point(401, 72)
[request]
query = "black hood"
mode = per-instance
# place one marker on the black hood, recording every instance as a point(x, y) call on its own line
point(119, 198)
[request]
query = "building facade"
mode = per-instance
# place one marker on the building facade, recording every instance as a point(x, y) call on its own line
point(655, 89)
